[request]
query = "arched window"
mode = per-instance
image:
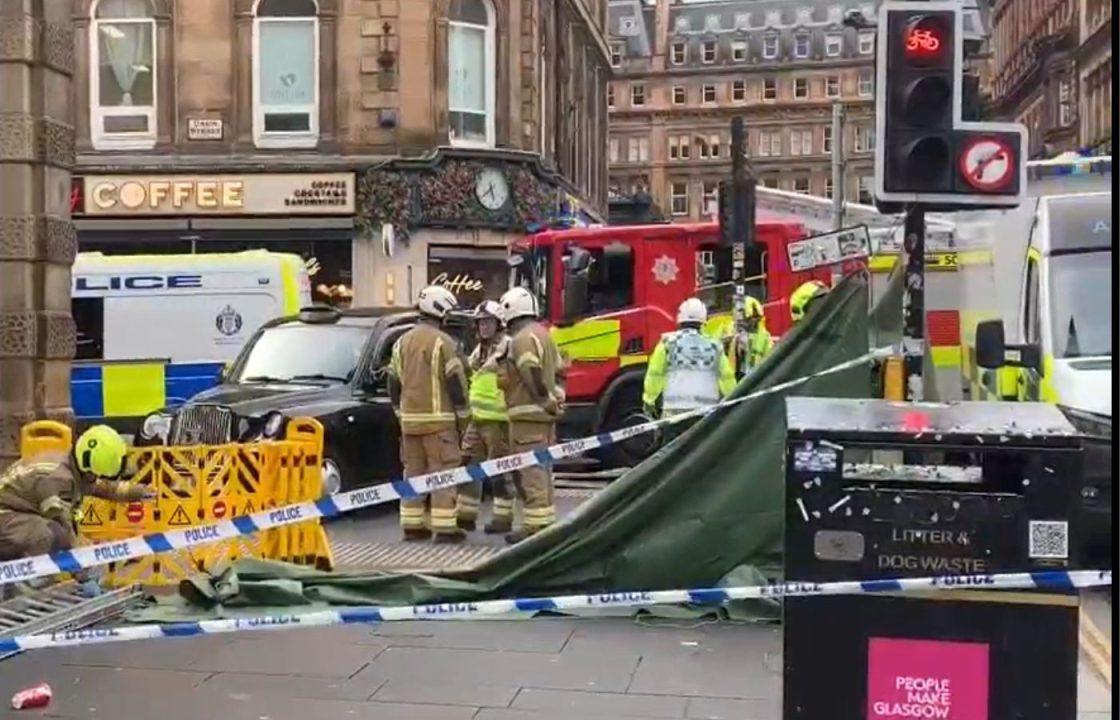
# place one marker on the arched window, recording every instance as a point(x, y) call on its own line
point(122, 74)
point(286, 73)
point(471, 72)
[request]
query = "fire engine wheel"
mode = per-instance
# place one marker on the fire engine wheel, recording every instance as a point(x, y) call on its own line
point(625, 410)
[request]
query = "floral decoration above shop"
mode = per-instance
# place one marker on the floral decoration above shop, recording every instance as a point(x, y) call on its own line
point(446, 194)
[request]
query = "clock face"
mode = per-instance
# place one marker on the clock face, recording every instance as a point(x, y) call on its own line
point(491, 189)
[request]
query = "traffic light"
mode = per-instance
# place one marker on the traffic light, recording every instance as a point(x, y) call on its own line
point(926, 152)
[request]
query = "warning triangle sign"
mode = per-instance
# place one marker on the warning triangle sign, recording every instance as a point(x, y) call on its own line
point(90, 518)
point(249, 508)
point(179, 517)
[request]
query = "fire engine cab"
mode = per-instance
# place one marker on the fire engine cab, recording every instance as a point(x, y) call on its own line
point(609, 293)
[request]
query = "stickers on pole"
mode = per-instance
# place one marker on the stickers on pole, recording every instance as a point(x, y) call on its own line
point(832, 248)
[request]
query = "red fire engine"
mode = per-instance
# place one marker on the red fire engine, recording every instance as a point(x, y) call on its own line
point(609, 293)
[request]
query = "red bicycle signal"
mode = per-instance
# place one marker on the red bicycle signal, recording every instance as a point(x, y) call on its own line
point(923, 40)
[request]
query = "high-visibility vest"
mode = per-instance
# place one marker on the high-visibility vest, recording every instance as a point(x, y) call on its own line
point(687, 370)
point(488, 402)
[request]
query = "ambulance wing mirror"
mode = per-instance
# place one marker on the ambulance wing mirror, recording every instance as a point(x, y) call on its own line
point(993, 352)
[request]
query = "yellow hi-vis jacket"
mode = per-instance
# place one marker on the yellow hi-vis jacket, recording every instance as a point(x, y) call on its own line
point(488, 402)
point(690, 370)
point(425, 362)
point(757, 346)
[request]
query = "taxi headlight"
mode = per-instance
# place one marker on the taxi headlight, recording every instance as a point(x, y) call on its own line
point(156, 425)
point(273, 423)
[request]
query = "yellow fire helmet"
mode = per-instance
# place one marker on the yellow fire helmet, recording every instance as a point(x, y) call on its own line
point(803, 295)
point(100, 451)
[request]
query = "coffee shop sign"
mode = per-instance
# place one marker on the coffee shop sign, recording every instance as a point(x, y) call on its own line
point(264, 194)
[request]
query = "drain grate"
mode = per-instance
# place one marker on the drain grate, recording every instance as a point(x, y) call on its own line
point(408, 557)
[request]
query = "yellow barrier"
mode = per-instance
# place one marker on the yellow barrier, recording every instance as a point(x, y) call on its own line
point(198, 485)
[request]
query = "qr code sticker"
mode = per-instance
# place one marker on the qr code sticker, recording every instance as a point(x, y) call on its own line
point(1049, 539)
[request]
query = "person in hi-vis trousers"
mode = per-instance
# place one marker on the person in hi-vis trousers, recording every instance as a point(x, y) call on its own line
point(428, 389)
point(533, 368)
point(487, 436)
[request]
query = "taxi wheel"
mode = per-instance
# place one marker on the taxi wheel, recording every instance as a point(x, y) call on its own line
point(626, 411)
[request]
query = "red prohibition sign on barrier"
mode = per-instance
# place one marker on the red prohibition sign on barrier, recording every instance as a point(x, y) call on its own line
point(219, 509)
point(135, 512)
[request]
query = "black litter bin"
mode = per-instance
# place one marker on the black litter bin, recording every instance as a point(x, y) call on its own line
point(985, 488)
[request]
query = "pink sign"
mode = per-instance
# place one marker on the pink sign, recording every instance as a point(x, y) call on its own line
point(909, 679)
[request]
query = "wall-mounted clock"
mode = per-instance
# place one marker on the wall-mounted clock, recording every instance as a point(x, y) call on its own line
point(491, 189)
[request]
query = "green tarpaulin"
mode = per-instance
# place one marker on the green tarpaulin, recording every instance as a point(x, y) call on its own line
point(707, 505)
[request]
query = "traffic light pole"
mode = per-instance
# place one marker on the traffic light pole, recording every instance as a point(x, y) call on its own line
point(913, 327)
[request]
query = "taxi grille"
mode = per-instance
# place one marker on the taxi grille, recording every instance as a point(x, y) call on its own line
point(201, 425)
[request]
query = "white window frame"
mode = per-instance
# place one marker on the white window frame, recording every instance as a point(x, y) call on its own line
point(866, 86)
point(616, 54)
point(674, 196)
point(639, 149)
point(828, 186)
point(770, 46)
point(739, 50)
point(704, 94)
point(739, 91)
point(800, 81)
point(610, 96)
point(685, 147)
point(808, 184)
point(797, 41)
point(762, 95)
point(865, 183)
point(683, 91)
point(833, 44)
point(865, 138)
point(826, 142)
point(829, 84)
point(710, 199)
point(801, 141)
point(714, 146)
point(866, 43)
point(310, 137)
point(683, 47)
point(613, 149)
point(633, 88)
point(490, 69)
point(709, 45)
point(100, 139)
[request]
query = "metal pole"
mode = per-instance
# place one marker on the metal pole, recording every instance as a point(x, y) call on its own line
point(739, 228)
point(837, 165)
point(913, 328)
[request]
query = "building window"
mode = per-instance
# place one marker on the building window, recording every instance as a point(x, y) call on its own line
point(801, 88)
point(769, 143)
point(866, 43)
point(865, 138)
point(610, 95)
point(709, 94)
point(709, 52)
point(680, 53)
point(616, 55)
point(826, 146)
point(122, 75)
point(679, 95)
point(832, 86)
point(637, 95)
point(801, 142)
point(801, 185)
point(865, 197)
point(739, 90)
point(828, 187)
point(711, 198)
point(708, 147)
point(678, 198)
point(286, 69)
point(833, 44)
point(866, 83)
point(769, 89)
point(770, 47)
point(801, 46)
point(739, 51)
point(639, 149)
point(679, 147)
point(471, 72)
point(614, 143)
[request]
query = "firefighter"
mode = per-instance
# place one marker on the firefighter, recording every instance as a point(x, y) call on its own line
point(532, 374)
point(801, 298)
point(40, 497)
point(687, 369)
point(753, 342)
point(428, 390)
point(487, 435)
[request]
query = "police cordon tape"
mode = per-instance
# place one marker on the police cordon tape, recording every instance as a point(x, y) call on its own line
point(1056, 580)
point(91, 556)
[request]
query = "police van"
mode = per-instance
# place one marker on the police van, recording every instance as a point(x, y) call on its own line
point(154, 330)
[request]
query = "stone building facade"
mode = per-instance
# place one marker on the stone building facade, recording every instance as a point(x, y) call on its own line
point(683, 70)
point(391, 105)
point(1094, 69)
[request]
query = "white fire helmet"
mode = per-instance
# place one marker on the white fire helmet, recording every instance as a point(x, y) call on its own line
point(489, 308)
point(692, 310)
point(436, 301)
point(517, 303)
